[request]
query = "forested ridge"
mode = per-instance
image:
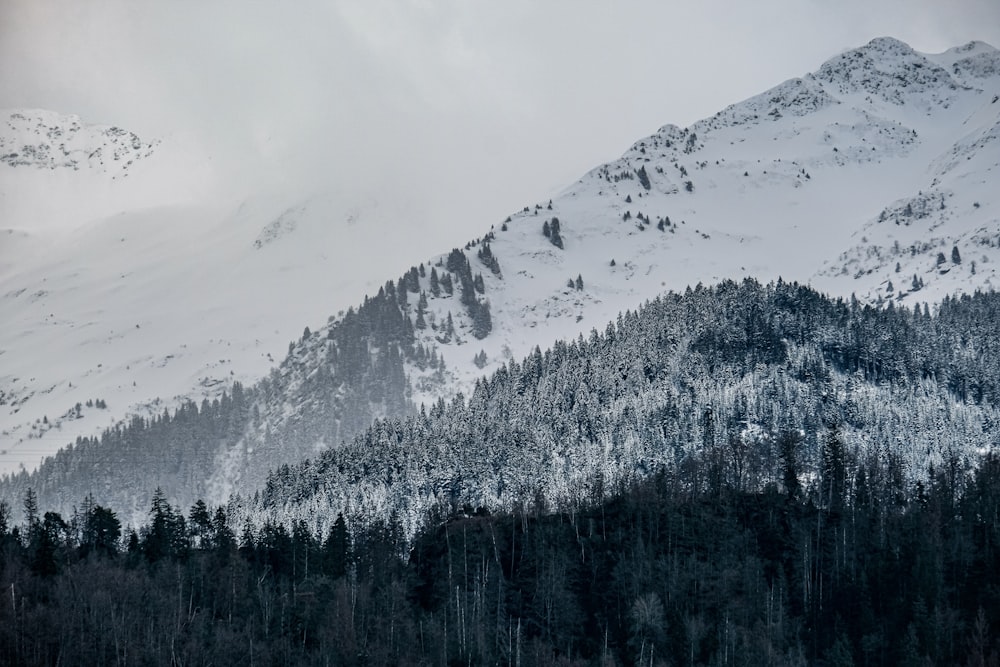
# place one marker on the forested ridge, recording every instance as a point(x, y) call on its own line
point(742, 474)
point(712, 373)
point(852, 568)
point(332, 385)
point(362, 365)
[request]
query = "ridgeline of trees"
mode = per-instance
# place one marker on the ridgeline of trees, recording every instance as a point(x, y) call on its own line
point(718, 372)
point(744, 474)
point(853, 567)
point(332, 385)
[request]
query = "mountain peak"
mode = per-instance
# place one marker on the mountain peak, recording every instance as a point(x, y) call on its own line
point(887, 45)
point(972, 48)
point(888, 69)
point(49, 140)
point(969, 63)
point(874, 176)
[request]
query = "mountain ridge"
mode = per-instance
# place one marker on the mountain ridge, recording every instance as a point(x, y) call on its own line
point(655, 219)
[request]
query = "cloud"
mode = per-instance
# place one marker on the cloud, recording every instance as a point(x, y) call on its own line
point(468, 109)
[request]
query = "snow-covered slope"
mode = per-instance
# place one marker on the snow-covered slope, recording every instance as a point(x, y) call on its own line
point(882, 156)
point(125, 284)
point(833, 178)
point(806, 181)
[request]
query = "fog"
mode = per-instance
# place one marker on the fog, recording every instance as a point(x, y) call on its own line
point(463, 110)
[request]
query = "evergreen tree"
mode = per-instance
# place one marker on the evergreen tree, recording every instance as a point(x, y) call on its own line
point(555, 237)
point(435, 285)
point(337, 549)
point(643, 177)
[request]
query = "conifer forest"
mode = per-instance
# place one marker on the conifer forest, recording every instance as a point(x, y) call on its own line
point(741, 474)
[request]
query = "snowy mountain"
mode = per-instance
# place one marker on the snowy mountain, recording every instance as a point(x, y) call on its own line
point(882, 156)
point(46, 140)
point(699, 385)
point(132, 282)
point(857, 178)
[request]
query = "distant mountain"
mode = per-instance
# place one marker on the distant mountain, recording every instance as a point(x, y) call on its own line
point(46, 140)
point(858, 179)
point(126, 281)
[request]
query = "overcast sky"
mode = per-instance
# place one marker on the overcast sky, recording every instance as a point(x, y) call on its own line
point(468, 109)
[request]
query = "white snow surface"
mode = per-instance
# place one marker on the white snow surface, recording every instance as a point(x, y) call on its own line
point(809, 181)
point(884, 156)
point(144, 281)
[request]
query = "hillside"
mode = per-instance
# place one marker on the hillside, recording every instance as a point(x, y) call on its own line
point(864, 173)
point(137, 284)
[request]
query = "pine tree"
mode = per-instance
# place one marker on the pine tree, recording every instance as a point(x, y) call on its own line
point(482, 321)
point(336, 549)
point(555, 237)
point(435, 284)
point(643, 177)
point(833, 470)
point(788, 443)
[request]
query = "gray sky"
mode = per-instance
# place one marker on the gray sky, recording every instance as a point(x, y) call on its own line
point(469, 109)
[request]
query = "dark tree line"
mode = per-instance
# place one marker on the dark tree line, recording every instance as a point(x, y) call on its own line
point(740, 474)
point(329, 388)
point(719, 372)
point(479, 310)
point(851, 568)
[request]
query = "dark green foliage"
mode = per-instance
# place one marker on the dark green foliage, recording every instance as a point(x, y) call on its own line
point(339, 382)
point(656, 569)
point(482, 321)
point(166, 535)
point(555, 237)
point(435, 284)
point(479, 311)
point(412, 280)
point(788, 445)
point(956, 257)
point(337, 549)
point(643, 177)
point(101, 531)
point(795, 547)
point(487, 257)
